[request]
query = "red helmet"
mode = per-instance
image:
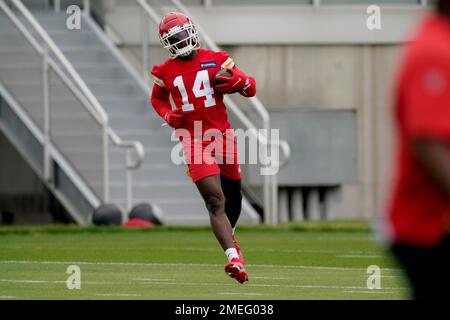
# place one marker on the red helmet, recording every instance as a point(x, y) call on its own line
point(178, 34)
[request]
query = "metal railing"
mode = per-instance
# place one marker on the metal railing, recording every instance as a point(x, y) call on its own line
point(82, 93)
point(270, 184)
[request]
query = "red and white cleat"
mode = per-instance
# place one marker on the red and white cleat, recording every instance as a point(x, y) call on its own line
point(236, 270)
point(241, 256)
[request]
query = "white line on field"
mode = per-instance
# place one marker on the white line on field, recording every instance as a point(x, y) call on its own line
point(211, 250)
point(148, 279)
point(177, 283)
point(270, 285)
point(242, 294)
point(271, 278)
point(316, 286)
point(308, 251)
point(8, 297)
point(117, 295)
point(265, 250)
point(355, 238)
point(182, 265)
point(359, 256)
point(28, 281)
point(367, 291)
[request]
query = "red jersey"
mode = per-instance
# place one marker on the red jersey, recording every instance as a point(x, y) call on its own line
point(419, 210)
point(191, 84)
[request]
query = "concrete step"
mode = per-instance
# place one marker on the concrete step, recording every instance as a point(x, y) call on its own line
point(74, 38)
point(16, 40)
point(33, 71)
point(193, 212)
point(129, 133)
point(116, 157)
point(147, 122)
point(69, 141)
point(95, 72)
point(57, 23)
point(122, 106)
point(157, 191)
point(30, 73)
point(81, 54)
point(68, 122)
point(153, 175)
point(44, 16)
point(135, 111)
point(10, 57)
point(17, 73)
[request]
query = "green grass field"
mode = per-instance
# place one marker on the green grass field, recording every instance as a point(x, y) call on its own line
point(301, 261)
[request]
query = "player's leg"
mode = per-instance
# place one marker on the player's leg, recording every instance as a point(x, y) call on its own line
point(426, 269)
point(230, 173)
point(207, 179)
point(232, 190)
point(410, 258)
point(211, 192)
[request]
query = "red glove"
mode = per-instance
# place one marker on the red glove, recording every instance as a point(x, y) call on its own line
point(174, 118)
point(232, 84)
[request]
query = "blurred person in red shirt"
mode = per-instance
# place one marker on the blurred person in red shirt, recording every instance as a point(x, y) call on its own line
point(419, 209)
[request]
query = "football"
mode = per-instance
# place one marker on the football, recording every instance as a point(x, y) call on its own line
point(222, 73)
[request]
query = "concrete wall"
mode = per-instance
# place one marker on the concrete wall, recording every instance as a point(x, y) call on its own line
point(336, 77)
point(278, 25)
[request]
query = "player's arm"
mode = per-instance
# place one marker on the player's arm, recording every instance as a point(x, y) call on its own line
point(238, 82)
point(249, 84)
point(249, 89)
point(434, 155)
point(161, 103)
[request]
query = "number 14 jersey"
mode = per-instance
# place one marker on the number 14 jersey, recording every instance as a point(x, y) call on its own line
point(191, 85)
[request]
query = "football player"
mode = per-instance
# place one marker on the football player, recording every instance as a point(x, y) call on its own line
point(189, 76)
